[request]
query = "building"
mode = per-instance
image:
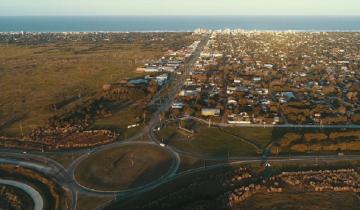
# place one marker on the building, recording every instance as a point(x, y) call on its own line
point(177, 105)
point(162, 79)
point(242, 118)
point(210, 112)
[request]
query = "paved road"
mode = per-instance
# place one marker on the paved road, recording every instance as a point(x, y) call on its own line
point(59, 174)
point(43, 165)
point(172, 170)
point(247, 160)
point(35, 195)
point(350, 126)
point(66, 177)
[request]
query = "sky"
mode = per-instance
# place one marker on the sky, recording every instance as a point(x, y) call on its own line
point(178, 7)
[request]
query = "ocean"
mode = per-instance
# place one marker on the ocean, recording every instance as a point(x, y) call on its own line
point(177, 23)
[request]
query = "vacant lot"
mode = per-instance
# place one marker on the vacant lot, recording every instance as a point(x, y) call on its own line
point(260, 136)
point(87, 202)
point(208, 142)
point(35, 76)
point(302, 201)
point(123, 167)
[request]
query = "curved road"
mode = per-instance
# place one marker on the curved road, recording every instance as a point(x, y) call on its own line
point(35, 195)
point(171, 172)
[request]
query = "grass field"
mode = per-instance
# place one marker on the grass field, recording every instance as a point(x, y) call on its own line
point(65, 159)
point(87, 202)
point(302, 201)
point(119, 121)
point(210, 142)
point(34, 76)
point(260, 136)
point(238, 140)
point(188, 163)
point(123, 167)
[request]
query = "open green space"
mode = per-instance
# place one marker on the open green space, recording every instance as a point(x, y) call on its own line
point(123, 167)
point(208, 142)
point(34, 76)
point(302, 201)
point(188, 163)
point(260, 136)
point(64, 158)
point(88, 202)
point(119, 122)
point(215, 140)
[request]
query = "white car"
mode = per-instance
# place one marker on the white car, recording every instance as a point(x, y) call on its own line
point(163, 145)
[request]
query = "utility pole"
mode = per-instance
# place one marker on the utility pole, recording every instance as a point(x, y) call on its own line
point(21, 129)
point(132, 159)
point(144, 118)
point(42, 148)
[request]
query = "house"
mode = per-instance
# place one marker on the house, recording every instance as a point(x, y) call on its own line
point(138, 81)
point(257, 79)
point(162, 79)
point(190, 90)
point(151, 69)
point(210, 112)
point(242, 118)
point(168, 69)
point(177, 105)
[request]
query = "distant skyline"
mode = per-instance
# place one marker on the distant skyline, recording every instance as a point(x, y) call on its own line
point(179, 7)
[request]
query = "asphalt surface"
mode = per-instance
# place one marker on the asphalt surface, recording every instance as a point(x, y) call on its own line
point(35, 195)
point(66, 176)
point(348, 126)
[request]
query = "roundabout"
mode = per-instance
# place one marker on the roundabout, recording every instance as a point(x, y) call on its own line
point(127, 167)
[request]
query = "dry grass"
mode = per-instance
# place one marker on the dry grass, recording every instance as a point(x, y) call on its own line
point(123, 167)
point(32, 77)
point(302, 201)
point(87, 202)
point(210, 142)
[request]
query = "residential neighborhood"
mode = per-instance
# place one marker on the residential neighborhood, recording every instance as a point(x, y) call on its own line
point(250, 77)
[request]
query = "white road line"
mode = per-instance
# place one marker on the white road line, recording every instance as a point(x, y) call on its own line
point(35, 195)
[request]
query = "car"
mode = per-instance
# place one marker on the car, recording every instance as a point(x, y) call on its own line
point(162, 145)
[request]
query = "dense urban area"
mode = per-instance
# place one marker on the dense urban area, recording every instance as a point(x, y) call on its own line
point(215, 119)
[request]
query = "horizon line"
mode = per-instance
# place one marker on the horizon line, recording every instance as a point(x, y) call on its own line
point(171, 15)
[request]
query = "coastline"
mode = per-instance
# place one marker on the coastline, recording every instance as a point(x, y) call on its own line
point(157, 24)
